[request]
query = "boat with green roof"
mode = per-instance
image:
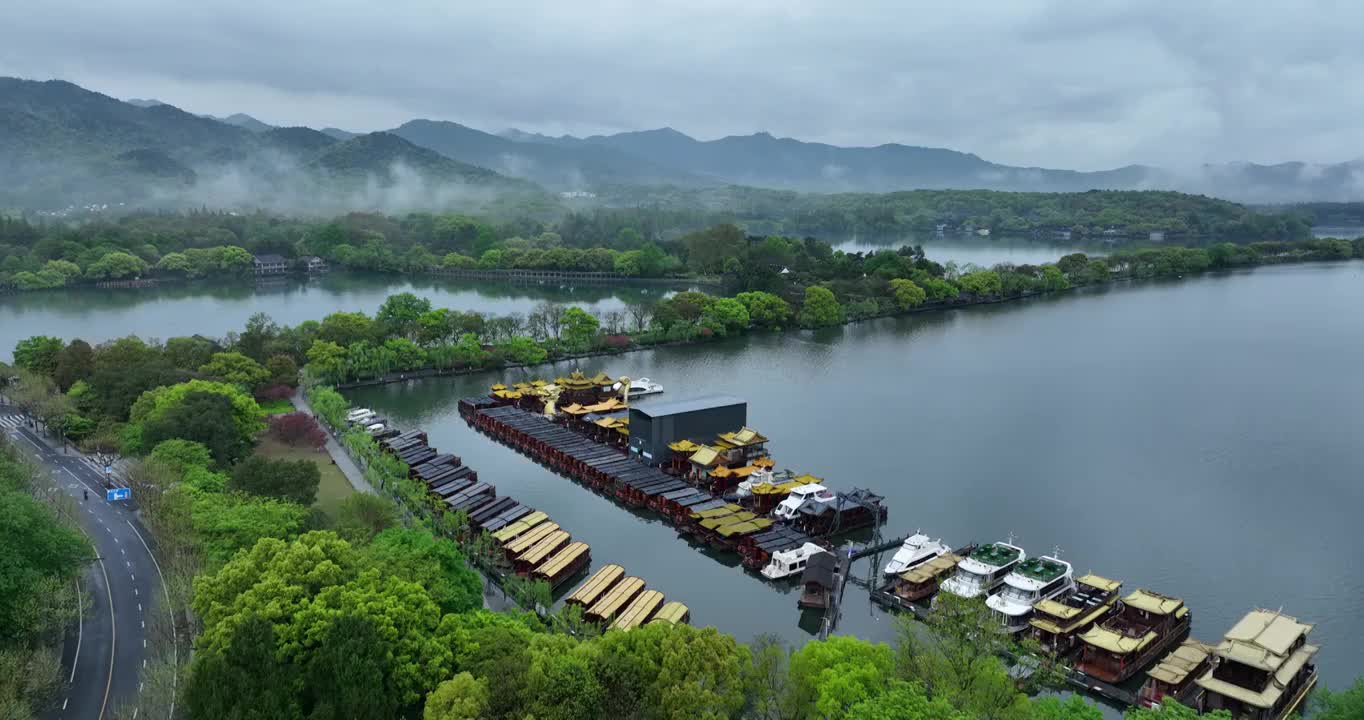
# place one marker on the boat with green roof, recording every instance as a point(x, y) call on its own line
point(983, 571)
point(1032, 581)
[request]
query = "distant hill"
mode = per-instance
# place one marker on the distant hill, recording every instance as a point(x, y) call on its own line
point(63, 145)
point(242, 120)
point(338, 133)
point(143, 103)
point(577, 166)
point(762, 160)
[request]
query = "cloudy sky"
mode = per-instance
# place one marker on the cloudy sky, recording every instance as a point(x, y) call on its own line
point(1086, 84)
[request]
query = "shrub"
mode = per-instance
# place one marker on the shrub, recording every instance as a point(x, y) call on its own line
point(297, 429)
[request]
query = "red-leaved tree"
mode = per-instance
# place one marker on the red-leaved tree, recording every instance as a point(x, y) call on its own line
point(297, 429)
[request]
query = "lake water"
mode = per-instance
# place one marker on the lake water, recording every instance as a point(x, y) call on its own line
point(1199, 438)
point(215, 309)
point(983, 251)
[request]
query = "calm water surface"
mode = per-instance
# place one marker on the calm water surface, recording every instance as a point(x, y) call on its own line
point(213, 310)
point(1200, 438)
point(982, 251)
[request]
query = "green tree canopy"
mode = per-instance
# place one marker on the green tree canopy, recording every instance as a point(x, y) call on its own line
point(292, 480)
point(237, 369)
point(907, 293)
point(38, 353)
point(821, 308)
point(434, 563)
point(462, 697)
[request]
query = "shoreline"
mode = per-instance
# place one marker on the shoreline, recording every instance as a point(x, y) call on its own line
point(430, 372)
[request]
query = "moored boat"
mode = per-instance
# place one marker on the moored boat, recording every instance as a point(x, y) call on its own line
point(786, 563)
point(615, 600)
point(563, 565)
point(1146, 625)
point(595, 587)
point(639, 610)
point(917, 548)
point(1056, 624)
point(673, 613)
point(1174, 676)
point(640, 386)
point(1264, 668)
point(923, 580)
point(983, 571)
point(817, 582)
point(1031, 581)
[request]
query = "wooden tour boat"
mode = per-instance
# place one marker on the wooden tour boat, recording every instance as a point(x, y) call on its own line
point(1264, 668)
point(1173, 677)
point(596, 586)
point(1057, 624)
point(673, 613)
point(615, 600)
point(639, 610)
point(923, 580)
point(563, 564)
point(817, 582)
point(1146, 625)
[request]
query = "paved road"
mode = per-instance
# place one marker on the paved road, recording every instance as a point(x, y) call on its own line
point(109, 645)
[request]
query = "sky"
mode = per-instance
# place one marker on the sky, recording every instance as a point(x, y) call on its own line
point(1086, 84)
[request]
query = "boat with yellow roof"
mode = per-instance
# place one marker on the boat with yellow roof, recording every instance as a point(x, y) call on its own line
point(1144, 628)
point(1056, 624)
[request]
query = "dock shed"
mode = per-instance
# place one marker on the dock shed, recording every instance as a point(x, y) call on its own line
point(654, 425)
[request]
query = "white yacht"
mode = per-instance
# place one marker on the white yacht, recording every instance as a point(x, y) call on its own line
point(1032, 581)
point(641, 386)
point(789, 508)
point(917, 549)
point(983, 571)
point(790, 562)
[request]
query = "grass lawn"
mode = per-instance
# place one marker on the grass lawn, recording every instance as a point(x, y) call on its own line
point(333, 487)
point(275, 407)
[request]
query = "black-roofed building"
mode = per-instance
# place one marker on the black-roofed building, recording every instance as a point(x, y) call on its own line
point(655, 425)
point(270, 264)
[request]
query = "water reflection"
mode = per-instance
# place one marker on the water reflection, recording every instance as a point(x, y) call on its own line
point(214, 309)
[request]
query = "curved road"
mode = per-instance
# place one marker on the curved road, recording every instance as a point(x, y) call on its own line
point(109, 646)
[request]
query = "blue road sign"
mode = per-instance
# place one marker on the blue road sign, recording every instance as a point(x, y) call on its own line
point(108, 469)
point(118, 494)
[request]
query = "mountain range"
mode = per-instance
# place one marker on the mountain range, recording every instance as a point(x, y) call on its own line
point(62, 144)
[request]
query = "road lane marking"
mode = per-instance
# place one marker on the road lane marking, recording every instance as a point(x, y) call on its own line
point(80, 633)
point(113, 625)
point(175, 641)
point(113, 640)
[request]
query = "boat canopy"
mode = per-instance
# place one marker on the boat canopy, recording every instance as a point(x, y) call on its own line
point(1099, 582)
point(562, 559)
point(744, 528)
point(1174, 668)
point(743, 438)
point(639, 610)
point(607, 607)
point(705, 456)
point(511, 531)
point(937, 567)
point(1116, 642)
point(597, 585)
point(1153, 602)
point(672, 612)
point(726, 509)
point(532, 536)
point(714, 523)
